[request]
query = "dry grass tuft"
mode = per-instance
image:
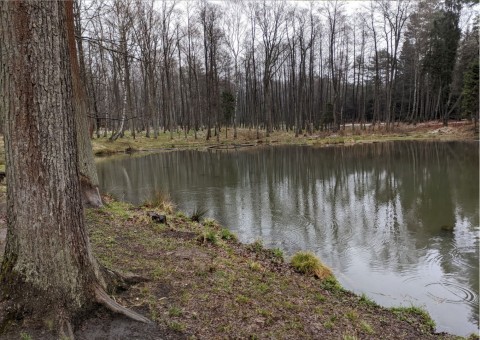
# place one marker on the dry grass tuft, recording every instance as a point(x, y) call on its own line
point(307, 263)
point(161, 201)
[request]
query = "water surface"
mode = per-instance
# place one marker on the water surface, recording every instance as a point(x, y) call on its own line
point(397, 221)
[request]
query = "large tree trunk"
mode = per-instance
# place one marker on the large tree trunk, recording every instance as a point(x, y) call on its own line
point(48, 267)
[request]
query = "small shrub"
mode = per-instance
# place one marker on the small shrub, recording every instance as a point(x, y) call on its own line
point(198, 214)
point(307, 263)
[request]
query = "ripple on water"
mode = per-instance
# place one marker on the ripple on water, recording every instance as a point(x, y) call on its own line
point(434, 259)
point(412, 278)
point(457, 255)
point(451, 292)
point(293, 236)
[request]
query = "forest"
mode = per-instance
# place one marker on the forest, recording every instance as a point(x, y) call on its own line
point(157, 66)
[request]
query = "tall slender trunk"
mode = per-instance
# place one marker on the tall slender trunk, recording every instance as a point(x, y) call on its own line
point(87, 168)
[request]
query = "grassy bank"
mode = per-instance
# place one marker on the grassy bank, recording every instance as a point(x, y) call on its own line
point(203, 283)
point(246, 137)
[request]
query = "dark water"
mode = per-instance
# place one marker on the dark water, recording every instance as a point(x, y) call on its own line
point(396, 221)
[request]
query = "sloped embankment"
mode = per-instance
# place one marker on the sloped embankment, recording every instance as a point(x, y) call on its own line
point(202, 283)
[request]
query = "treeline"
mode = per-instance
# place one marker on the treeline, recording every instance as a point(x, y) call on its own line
point(158, 66)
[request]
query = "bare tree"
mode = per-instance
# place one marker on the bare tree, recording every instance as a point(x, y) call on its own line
point(234, 34)
point(395, 14)
point(270, 17)
point(146, 32)
point(209, 18)
point(335, 17)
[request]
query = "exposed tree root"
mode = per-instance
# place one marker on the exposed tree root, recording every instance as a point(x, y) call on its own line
point(105, 300)
point(116, 280)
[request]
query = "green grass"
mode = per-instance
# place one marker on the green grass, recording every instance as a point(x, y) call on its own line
point(242, 299)
point(257, 246)
point(328, 325)
point(352, 315)
point(320, 297)
point(349, 337)
point(255, 266)
point(365, 300)
point(175, 311)
point(226, 234)
point(176, 326)
point(211, 237)
point(307, 263)
point(410, 314)
point(25, 336)
point(365, 326)
point(331, 284)
point(180, 214)
point(277, 253)
point(118, 209)
point(209, 223)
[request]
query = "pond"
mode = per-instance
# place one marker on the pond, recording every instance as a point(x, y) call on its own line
point(397, 221)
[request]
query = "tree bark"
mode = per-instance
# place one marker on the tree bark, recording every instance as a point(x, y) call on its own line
point(48, 268)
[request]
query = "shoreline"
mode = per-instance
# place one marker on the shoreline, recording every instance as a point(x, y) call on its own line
point(429, 131)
